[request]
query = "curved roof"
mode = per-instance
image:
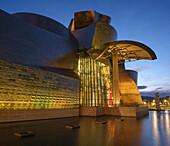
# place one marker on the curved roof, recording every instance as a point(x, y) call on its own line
point(45, 23)
point(126, 49)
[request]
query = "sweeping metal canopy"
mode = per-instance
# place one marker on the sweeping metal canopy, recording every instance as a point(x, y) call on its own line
point(126, 50)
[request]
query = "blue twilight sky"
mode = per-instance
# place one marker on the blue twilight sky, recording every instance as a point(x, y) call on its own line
point(146, 21)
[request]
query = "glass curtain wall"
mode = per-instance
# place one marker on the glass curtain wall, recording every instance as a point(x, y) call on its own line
point(95, 87)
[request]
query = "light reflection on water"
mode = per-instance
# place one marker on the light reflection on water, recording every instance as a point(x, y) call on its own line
point(111, 132)
point(167, 123)
point(152, 130)
point(128, 132)
point(155, 128)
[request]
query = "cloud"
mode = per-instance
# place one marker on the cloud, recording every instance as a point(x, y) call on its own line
point(142, 87)
point(159, 88)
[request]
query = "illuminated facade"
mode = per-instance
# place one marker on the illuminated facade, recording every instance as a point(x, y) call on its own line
point(30, 53)
point(24, 87)
point(95, 83)
point(45, 66)
point(104, 79)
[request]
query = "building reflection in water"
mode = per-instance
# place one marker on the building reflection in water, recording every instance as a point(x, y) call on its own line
point(90, 133)
point(128, 132)
point(152, 130)
point(111, 133)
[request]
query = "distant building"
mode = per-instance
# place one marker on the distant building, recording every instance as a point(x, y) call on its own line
point(151, 103)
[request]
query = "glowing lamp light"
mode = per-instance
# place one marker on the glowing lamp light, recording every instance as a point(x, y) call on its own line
point(109, 50)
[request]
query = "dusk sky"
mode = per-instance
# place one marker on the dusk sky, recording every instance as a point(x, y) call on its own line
point(145, 21)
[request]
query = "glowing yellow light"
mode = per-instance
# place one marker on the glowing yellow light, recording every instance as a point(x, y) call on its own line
point(35, 95)
point(144, 102)
point(97, 73)
point(153, 100)
point(164, 100)
point(155, 127)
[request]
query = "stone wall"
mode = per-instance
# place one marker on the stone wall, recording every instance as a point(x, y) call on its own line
point(91, 111)
point(142, 111)
point(127, 111)
point(24, 115)
point(114, 111)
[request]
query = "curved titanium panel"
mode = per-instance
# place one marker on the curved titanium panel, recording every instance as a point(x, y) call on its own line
point(92, 29)
point(95, 35)
point(85, 36)
point(28, 44)
point(85, 18)
point(104, 33)
point(128, 88)
point(44, 23)
point(133, 74)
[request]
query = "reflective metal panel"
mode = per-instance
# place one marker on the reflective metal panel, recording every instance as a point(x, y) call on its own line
point(22, 42)
point(24, 87)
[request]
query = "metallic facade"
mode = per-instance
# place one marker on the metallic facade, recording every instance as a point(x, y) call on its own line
point(92, 29)
point(32, 47)
point(23, 42)
point(38, 56)
point(24, 87)
point(133, 74)
point(98, 43)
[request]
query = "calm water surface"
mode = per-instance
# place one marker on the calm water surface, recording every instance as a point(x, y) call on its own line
point(152, 130)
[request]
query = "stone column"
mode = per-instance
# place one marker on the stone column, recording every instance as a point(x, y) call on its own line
point(116, 93)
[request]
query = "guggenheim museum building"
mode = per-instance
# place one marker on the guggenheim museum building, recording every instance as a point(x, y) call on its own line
point(50, 71)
